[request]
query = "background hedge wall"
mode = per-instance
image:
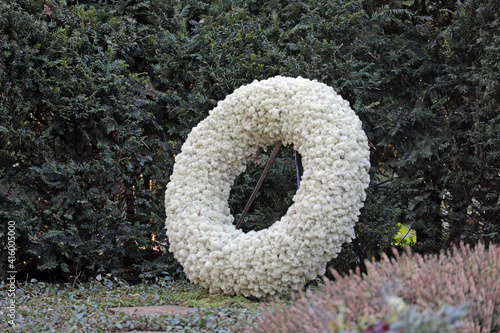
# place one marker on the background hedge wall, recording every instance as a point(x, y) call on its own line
point(96, 98)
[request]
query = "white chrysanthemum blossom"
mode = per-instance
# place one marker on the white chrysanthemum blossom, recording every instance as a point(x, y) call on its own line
point(335, 156)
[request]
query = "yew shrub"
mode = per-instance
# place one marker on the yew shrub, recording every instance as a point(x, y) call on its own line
point(97, 97)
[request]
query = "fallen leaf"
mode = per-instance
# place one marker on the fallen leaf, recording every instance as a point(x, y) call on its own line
point(47, 10)
point(257, 159)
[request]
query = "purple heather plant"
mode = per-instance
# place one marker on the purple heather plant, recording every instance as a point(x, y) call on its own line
point(428, 286)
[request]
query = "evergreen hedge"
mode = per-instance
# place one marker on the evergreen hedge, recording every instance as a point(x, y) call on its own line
point(96, 98)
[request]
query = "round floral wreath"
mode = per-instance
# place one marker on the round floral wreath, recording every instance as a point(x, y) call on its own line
point(335, 157)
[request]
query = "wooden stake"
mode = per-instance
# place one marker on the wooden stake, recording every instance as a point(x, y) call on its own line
point(259, 183)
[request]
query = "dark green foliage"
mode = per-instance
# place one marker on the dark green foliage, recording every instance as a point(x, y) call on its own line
point(84, 157)
point(96, 98)
point(472, 181)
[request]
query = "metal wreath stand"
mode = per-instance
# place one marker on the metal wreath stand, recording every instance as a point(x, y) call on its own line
point(300, 170)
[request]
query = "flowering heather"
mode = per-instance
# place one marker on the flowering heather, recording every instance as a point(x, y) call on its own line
point(460, 276)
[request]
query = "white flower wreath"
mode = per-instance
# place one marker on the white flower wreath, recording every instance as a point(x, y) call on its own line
point(335, 156)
